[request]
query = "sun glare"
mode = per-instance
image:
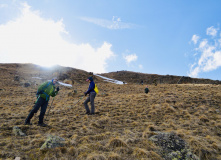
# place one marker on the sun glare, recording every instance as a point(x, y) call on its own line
point(46, 64)
point(31, 38)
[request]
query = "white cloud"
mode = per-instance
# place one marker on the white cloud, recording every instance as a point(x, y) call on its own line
point(130, 58)
point(193, 71)
point(212, 62)
point(195, 39)
point(206, 54)
point(219, 42)
point(33, 39)
point(209, 57)
point(211, 31)
point(140, 66)
point(203, 44)
point(115, 23)
point(3, 5)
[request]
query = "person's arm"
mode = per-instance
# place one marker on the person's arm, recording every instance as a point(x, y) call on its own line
point(90, 88)
point(55, 92)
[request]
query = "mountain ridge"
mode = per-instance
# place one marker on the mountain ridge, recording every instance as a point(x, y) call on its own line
point(77, 75)
point(136, 77)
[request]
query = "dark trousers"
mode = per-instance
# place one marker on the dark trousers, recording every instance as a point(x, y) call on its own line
point(41, 102)
point(90, 98)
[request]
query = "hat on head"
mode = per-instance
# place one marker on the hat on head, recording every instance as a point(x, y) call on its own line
point(89, 78)
point(55, 78)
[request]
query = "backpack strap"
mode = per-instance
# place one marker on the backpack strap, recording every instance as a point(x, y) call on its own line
point(42, 91)
point(47, 96)
point(46, 86)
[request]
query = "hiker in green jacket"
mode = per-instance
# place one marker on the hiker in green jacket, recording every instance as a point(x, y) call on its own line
point(44, 92)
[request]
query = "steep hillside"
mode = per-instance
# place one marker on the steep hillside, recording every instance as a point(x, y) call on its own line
point(134, 77)
point(179, 121)
point(19, 74)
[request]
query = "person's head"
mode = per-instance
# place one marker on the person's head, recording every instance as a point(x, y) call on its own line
point(89, 79)
point(55, 81)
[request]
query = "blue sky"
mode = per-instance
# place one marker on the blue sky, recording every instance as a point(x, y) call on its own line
point(175, 37)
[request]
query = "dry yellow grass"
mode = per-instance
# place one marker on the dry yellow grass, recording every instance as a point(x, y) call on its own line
point(127, 119)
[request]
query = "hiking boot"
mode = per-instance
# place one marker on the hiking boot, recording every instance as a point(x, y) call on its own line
point(42, 125)
point(88, 113)
point(28, 123)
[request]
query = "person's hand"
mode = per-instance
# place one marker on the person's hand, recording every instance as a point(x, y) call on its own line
point(85, 93)
point(58, 88)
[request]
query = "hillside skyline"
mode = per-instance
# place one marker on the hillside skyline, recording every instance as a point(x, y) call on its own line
point(117, 77)
point(153, 37)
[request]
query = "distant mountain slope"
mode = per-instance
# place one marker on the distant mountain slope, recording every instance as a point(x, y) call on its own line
point(135, 77)
point(15, 74)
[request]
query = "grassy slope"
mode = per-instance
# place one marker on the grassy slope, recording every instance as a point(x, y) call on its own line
point(127, 118)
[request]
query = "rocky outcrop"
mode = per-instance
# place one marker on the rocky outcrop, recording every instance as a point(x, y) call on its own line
point(173, 147)
point(17, 131)
point(52, 142)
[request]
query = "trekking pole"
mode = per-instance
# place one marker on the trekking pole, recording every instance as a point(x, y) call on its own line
point(73, 107)
point(49, 109)
point(77, 102)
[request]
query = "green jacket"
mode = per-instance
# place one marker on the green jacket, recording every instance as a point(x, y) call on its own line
point(46, 90)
